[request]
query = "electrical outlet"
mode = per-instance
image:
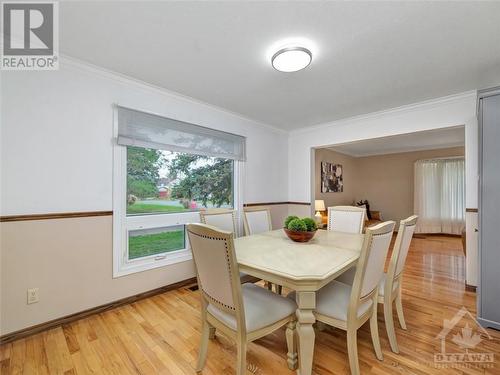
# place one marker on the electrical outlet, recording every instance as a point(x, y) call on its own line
point(33, 296)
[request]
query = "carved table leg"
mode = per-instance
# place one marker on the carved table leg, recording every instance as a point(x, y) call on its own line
point(291, 342)
point(306, 302)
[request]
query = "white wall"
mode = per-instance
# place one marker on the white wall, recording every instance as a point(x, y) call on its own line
point(57, 135)
point(56, 156)
point(444, 112)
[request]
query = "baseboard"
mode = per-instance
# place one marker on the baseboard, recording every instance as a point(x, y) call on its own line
point(95, 310)
point(489, 324)
point(470, 288)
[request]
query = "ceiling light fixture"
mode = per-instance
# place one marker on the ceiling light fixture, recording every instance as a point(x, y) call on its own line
point(291, 59)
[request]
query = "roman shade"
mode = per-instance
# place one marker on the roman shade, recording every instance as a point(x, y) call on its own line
point(136, 128)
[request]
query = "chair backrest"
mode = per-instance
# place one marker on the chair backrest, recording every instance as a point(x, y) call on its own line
point(257, 221)
point(401, 246)
point(370, 267)
point(220, 218)
point(348, 219)
point(216, 267)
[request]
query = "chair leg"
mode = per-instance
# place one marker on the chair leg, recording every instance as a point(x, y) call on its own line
point(389, 325)
point(399, 309)
point(202, 355)
point(241, 364)
point(269, 285)
point(291, 343)
point(278, 288)
point(352, 350)
point(374, 332)
point(211, 331)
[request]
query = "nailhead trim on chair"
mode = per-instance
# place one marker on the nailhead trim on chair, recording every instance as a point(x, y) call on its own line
point(330, 219)
point(228, 262)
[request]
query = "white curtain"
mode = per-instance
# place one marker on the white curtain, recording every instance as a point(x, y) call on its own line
point(440, 195)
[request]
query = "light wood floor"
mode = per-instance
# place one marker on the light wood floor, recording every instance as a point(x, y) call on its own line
point(160, 335)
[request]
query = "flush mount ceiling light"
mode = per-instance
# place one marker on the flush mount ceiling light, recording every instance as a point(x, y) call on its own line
point(291, 59)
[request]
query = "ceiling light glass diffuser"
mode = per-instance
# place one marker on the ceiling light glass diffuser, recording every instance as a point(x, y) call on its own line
point(291, 59)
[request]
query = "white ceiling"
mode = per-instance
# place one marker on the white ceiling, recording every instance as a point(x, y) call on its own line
point(425, 140)
point(368, 56)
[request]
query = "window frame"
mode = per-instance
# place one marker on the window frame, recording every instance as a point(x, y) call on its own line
point(122, 223)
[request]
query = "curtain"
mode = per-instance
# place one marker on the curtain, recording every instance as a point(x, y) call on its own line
point(440, 195)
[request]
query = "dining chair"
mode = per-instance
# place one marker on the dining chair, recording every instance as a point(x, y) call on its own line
point(222, 218)
point(242, 312)
point(348, 307)
point(348, 219)
point(255, 221)
point(390, 285)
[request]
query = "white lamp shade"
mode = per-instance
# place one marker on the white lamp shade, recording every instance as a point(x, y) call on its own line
point(319, 205)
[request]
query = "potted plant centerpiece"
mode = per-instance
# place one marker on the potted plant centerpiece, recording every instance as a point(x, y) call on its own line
point(300, 230)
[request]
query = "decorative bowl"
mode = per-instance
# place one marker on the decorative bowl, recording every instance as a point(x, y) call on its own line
point(299, 236)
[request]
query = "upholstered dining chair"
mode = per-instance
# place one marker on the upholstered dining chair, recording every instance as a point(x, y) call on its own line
point(390, 285)
point(346, 219)
point(348, 307)
point(224, 219)
point(221, 218)
point(242, 312)
point(349, 219)
point(257, 220)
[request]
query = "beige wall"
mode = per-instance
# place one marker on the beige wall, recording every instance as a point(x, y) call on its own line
point(70, 261)
point(300, 210)
point(349, 176)
point(386, 181)
point(278, 213)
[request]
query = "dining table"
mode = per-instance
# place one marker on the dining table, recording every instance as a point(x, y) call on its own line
point(304, 267)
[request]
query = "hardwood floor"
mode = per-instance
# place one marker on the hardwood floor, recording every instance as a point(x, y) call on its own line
point(160, 334)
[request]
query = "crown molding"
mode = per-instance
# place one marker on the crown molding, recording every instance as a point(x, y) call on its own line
point(396, 151)
point(408, 108)
point(72, 62)
point(69, 61)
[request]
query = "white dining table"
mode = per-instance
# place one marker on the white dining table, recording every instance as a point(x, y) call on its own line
point(303, 267)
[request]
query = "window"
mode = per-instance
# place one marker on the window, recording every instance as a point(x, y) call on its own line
point(147, 242)
point(165, 172)
point(440, 195)
point(171, 182)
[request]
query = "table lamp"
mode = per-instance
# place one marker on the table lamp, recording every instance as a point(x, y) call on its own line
point(319, 205)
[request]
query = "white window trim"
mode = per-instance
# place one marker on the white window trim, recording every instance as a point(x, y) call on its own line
point(122, 224)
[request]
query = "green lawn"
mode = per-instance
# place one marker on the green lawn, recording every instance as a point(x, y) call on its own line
point(155, 243)
point(144, 208)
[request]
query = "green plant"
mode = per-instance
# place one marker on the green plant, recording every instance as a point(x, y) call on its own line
point(297, 225)
point(288, 219)
point(310, 224)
